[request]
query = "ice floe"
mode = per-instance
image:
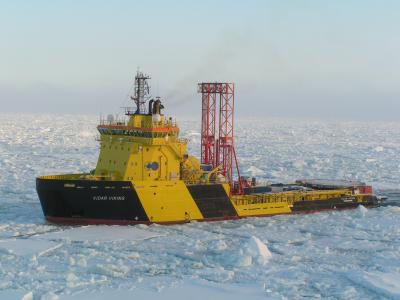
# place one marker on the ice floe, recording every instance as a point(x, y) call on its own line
point(27, 246)
point(258, 250)
point(100, 234)
point(254, 171)
point(385, 284)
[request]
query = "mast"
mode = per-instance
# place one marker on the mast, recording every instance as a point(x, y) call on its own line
point(142, 92)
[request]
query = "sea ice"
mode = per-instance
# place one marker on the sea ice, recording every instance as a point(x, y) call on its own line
point(28, 296)
point(352, 254)
point(254, 171)
point(362, 210)
point(258, 250)
point(181, 291)
point(386, 284)
point(26, 247)
point(15, 295)
point(100, 233)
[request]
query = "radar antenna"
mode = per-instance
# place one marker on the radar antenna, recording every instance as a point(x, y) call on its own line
point(142, 92)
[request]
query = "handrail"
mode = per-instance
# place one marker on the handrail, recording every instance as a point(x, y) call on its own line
point(149, 129)
point(65, 176)
point(289, 197)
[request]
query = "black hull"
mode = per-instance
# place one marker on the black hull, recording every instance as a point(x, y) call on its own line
point(332, 204)
point(85, 199)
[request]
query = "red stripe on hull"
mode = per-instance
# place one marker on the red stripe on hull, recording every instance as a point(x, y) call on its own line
point(87, 221)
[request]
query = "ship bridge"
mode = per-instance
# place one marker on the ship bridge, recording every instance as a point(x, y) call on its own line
point(140, 126)
point(145, 145)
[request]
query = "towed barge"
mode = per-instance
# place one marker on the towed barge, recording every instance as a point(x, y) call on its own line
point(145, 175)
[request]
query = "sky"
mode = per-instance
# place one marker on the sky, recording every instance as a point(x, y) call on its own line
point(309, 59)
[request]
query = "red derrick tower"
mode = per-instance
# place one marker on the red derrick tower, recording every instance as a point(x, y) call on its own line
point(208, 122)
point(221, 151)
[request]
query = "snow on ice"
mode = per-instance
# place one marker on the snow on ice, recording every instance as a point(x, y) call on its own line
point(100, 233)
point(27, 246)
point(352, 254)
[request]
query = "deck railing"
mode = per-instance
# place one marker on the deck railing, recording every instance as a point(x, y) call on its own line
point(66, 176)
point(289, 197)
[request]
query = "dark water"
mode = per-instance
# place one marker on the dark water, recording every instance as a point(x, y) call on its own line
point(392, 195)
